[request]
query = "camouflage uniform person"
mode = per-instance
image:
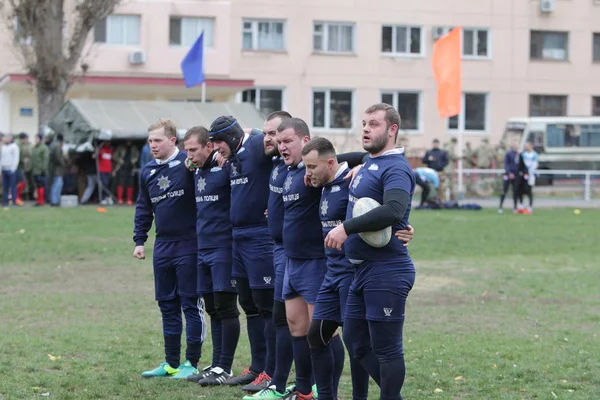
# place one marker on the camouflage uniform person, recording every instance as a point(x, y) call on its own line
point(24, 183)
point(450, 169)
point(485, 155)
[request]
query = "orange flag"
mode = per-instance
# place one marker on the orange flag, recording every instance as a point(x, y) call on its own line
point(447, 73)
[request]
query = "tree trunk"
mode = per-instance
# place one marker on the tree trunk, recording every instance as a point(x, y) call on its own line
point(50, 100)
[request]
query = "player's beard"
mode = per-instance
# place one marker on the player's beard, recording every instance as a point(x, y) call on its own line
point(272, 153)
point(377, 143)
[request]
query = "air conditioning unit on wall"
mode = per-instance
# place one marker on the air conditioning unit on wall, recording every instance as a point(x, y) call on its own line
point(137, 57)
point(547, 6)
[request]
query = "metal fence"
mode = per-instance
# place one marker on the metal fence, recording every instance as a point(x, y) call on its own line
point(486, 183)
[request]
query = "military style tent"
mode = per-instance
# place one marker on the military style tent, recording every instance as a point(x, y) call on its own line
point(81, 120)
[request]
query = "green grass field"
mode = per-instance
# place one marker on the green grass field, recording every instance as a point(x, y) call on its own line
point(504, 307)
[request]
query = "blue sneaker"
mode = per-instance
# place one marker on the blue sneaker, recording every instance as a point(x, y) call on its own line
point(186, 369)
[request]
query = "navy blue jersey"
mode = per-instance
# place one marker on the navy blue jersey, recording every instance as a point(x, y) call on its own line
point(389, 171)
point(302, 237)
point(334, 204)
point(167, 197)
point(275, 205)
point(250, 171)
point(213, 202)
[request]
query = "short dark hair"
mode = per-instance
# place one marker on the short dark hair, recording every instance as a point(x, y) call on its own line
point(323, 147)
point(298, 125)
point(200, 133)
point(279, 114)
point(391, 115)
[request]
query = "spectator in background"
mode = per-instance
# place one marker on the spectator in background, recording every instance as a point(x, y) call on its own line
point(40, 158)
point(528, 164)
point(449, 170)
point(429, 180)
point(509, 179)
point(485, 155)
point(88, 166)
point(436, 158)
point(125, 159)
point(146, 156)
point(57, 164)
point(9, 162)
point(469, 156)
point(105, 166)
point(24, 169)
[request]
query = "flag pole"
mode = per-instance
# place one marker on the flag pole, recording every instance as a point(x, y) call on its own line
point(204, 92)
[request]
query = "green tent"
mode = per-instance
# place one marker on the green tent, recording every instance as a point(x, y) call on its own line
point(81, 120)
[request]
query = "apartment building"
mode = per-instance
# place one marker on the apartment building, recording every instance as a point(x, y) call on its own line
point(326, 61)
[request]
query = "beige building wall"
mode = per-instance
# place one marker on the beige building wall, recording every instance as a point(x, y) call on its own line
point(507, 76)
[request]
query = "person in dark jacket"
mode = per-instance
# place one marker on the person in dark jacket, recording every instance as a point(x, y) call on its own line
point(88, 165)
point(509, 179)
point(436, 158)
point(57, 168)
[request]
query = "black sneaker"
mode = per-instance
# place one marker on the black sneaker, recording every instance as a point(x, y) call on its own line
point(261, 382)
point(199, 376)
point(244, 378)
point(216, 377)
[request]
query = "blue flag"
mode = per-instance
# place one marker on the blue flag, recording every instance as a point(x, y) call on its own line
point(192, 66)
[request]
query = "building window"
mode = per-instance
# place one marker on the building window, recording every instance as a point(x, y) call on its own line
point(333, 37)
point(474, 113)
point(596, 48)
point(263, 35)
point(185, 31)
point(266, 100)
point(397, 39)
point(332, 109)
point(476, 43)
point(408, 105)
point(118, 29)
point(596, 106)
point(571, 135)
point(547, 106)
point(547, 45)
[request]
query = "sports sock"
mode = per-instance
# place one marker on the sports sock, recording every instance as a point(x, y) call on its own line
point(256, 336)
point(303, 364)
point(230, 338)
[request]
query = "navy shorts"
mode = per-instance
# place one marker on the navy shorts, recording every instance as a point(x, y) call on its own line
point(379, 290)
point(303, 278)
point(279, 261)
point(253, 256)
point(214, 271)
point(175, 276)
point(331, 300)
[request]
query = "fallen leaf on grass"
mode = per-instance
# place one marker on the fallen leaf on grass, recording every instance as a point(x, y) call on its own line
point(459, 378)
point(563, 381)
point(21, 231)
point(53, 358)
point(554, 395)
point(45, 394)
point(438, 390)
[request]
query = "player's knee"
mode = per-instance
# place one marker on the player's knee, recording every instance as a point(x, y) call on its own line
point(226, 305)
point(263, 298)
point(279, 316)
point(245, 297)
point(320, 333)
point(169, 307)
point(357, 348)
point(209, 305)
point(191, 304)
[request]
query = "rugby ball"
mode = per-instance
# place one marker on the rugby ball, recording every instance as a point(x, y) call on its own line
point(376, 238)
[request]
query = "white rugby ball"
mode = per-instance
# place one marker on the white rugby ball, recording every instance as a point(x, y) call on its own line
point(375, 238)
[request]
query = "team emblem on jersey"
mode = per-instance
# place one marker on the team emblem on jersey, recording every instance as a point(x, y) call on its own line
point(387, 311)
point(174, 163)
point(324, 206)
point(288, 183)
point(335, 188)
point(215, 169)
point(201, 184)
point(234, 169)
point(152, 172)
point(267, 279)
point(373, 167)
point(356, 181)
point(163, 182)
point(275, 173)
